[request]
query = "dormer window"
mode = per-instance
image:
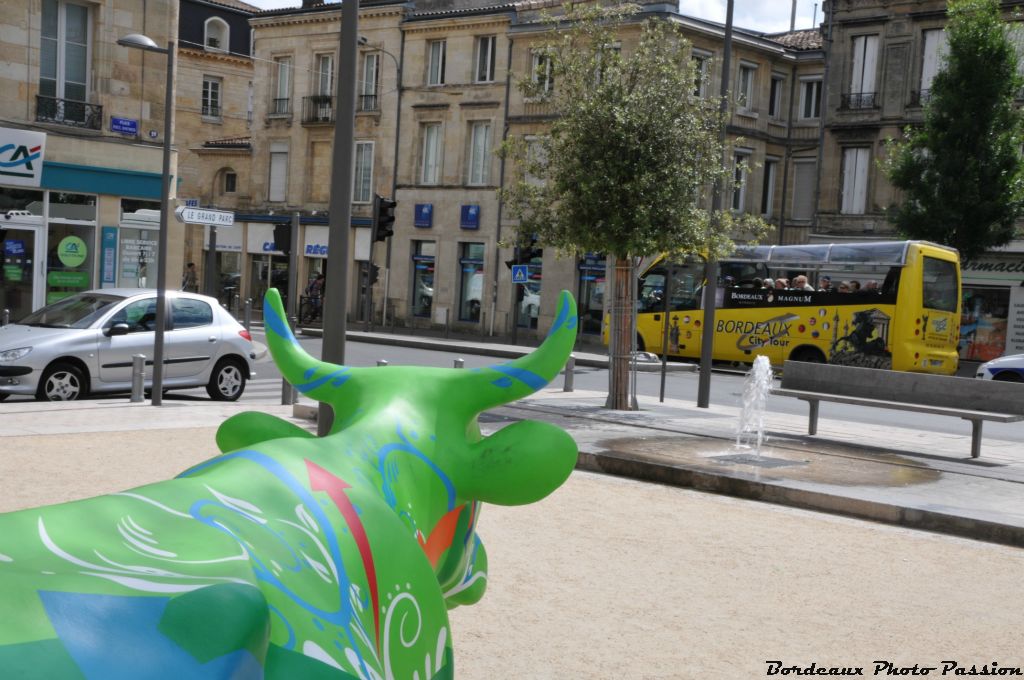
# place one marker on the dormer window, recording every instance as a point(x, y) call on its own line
point(215, 37)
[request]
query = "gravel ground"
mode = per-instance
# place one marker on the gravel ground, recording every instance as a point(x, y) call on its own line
point(613, 578)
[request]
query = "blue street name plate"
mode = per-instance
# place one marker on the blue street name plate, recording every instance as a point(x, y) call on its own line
point(126, 126)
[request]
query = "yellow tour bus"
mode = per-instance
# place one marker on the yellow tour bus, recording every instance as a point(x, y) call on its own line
point(887, 304)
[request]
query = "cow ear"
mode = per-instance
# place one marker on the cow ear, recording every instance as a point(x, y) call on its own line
point(249, 428)
point(519, 464)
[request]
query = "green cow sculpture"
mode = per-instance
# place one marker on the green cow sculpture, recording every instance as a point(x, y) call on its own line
point(289, 556)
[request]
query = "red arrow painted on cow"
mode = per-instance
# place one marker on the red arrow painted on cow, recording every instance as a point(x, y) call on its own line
point(322, 480)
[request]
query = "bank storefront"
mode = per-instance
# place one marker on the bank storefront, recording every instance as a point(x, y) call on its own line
point(62, 230)
point(992, 318)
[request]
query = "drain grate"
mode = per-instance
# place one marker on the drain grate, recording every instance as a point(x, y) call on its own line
point(759, 461)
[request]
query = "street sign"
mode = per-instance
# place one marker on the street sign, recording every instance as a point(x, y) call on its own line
point(126, 126)
point(520, 273)
point(217, 218)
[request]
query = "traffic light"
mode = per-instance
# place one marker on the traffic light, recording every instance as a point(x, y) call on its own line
point(374, 273)
point(525, 254)
point(283, 237)
point(383, 218)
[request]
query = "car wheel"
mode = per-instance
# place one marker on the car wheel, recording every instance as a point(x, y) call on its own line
point(1006, 376)
point(227, 381)
point(62, 382)
point(4, 395)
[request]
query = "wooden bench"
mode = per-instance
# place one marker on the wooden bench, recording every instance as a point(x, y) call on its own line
point(968, 398)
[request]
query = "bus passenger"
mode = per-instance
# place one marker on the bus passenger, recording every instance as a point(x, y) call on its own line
point(825, 284)
point(854, 286)
point(781, 284)
point(844, 286)
point(800, 283)
point(768, 284)
point(871, 286)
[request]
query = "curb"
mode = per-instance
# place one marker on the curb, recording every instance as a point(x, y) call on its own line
point(729, 485)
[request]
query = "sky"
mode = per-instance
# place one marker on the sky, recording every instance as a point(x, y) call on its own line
point(770, 16)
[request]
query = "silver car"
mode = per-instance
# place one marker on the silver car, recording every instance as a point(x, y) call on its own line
point(84, 344)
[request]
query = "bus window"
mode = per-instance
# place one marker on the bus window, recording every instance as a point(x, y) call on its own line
point(652, 291)
point(940, 289)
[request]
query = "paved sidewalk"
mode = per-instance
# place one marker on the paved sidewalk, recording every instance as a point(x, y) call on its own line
point(917, 479)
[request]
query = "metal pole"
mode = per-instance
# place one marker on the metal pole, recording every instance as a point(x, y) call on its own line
point(707, 342)
point(248, 314)
point(667, 292)
point(6, 319)
point(460, 363)
point(382, 362)
point(394, 175)
point(138, 376)
point(210, 273)
point(570, 374)
point(161, 255)
point(340, 205)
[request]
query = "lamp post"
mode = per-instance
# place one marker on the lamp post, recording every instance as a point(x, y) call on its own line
point(141, 42)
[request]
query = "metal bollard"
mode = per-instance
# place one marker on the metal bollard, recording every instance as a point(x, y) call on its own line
point(6, 319)
point(248, 314)
point(289, 395)
point(460, 363)
point(382, 362)
point(570, 370)
point(138, 376)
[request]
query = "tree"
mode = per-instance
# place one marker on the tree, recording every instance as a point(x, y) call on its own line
point(961, 171)
point(629, 158)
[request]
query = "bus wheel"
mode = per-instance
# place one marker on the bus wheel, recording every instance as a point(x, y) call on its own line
point(811, 355)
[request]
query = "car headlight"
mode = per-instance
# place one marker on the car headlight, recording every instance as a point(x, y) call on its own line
point(14, 354)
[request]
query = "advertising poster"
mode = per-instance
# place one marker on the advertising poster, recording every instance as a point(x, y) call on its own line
point(1015, 322)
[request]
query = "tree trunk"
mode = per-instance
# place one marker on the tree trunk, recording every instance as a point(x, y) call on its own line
point(622, 332)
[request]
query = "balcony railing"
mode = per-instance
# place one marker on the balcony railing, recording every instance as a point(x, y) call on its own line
point(69, 112)
point(920, 97)
point(369, 102)
point(318, 109)
point(280, 107)
point(859, 100)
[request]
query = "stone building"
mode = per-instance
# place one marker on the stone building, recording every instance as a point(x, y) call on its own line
point(429, 140)
point(214, 108)
point(82, 122)
point(883, 57)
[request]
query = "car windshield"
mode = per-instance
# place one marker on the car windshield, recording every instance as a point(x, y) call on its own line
point(77, 311)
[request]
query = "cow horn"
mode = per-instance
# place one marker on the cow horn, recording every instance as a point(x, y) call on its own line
point(504, 383)
point(317, 379)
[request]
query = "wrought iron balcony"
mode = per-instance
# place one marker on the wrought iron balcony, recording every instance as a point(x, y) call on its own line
point(920, 97)
point(318, 108)
point(281, 107)
point(859, 100)
point(369, 102)
point(69, 112)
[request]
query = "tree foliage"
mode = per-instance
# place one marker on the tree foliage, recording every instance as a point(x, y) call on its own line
point(631, 153)
point(961, 171)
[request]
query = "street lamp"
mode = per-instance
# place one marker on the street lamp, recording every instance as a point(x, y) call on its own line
point(141, 42)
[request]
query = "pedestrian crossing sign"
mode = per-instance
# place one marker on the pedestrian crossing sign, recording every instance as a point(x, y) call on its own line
point(520, 274)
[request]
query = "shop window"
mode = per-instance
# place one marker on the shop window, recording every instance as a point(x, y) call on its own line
point(423, 277)
point(983, 319)
point(471, 281)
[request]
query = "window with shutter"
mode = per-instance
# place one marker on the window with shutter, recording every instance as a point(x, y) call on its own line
point(855, 180)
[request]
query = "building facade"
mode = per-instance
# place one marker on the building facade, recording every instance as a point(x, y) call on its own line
point(81, 133)
point(429, 139)
point(883, 57)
